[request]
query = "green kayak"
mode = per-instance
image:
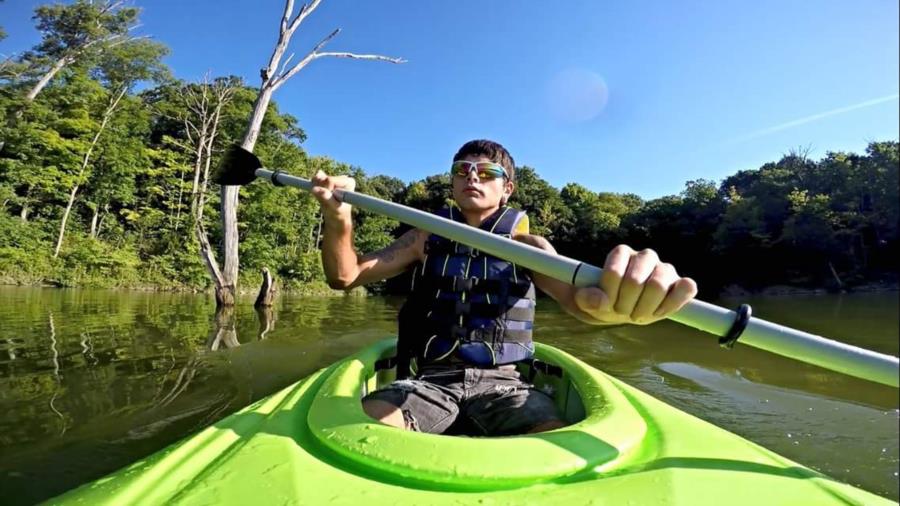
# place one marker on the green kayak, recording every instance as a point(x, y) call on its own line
point(312, 444)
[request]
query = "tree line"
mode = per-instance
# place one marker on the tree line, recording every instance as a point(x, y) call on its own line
point(105, 163)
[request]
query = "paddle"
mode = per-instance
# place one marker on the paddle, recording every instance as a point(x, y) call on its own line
point(240, 167)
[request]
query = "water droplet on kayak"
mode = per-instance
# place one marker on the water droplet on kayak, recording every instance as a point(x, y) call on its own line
point(368, 440)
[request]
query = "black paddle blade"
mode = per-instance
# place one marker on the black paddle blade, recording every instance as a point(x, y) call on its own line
point(238, 167)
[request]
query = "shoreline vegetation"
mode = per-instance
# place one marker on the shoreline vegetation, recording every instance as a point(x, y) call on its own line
point(105, 165)
point(322, 289)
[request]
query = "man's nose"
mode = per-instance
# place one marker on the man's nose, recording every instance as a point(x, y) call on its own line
point(472, 177)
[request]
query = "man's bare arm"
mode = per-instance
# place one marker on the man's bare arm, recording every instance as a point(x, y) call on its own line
point(345, 269)
point(391, 260)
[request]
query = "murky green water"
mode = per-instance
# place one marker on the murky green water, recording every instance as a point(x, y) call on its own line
point(92, 380)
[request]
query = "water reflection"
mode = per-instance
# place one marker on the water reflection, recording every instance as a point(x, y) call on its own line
point(92, 380)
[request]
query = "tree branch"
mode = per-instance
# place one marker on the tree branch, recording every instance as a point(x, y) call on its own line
point(313, 55)
point(306, 10)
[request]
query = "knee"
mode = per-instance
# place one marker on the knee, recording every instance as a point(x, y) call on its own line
point(384, 412)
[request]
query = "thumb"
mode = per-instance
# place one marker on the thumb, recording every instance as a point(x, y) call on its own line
point(591, 300)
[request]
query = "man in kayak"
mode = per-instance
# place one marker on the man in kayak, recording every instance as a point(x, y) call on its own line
point(468, 320)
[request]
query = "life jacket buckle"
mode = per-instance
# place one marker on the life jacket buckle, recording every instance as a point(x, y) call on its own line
point(461, 284)
point(458, 333)
point(462, 249)
point(463, 307)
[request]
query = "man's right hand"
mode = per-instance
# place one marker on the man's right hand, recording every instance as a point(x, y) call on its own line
point(323, 189)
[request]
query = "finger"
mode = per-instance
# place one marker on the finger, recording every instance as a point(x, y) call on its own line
point(640, 267)
point(320, 178)
point(591, 300)
point(655, 290)
point(613, 270)
point(343, 182)
point(680, 294)
point(321, 193)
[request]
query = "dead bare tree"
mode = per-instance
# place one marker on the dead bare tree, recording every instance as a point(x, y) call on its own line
point(203, 106)
point(273, 76)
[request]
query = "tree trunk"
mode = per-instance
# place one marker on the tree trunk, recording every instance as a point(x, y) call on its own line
point(266, 291)
point(94, 220)
point(65, 218)
point(224, 297)
point(102, 217)
point(107, 114)
point(198, 165)
point(180, 198)
point(45, 80)
point(23, 214)
point(229, 200)
point(837, 278)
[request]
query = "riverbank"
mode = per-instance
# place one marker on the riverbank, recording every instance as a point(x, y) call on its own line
point(248, 287)
point(320, 288)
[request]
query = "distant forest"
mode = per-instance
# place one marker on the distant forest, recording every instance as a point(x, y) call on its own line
point(103, 182)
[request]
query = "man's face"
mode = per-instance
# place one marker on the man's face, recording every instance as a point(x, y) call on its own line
point(474, 194)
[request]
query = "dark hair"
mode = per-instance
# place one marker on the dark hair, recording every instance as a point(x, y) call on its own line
point(490, 149)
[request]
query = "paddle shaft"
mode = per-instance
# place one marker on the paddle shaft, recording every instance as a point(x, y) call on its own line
point(796, 344)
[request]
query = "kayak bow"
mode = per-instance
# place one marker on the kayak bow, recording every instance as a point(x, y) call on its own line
point(312, 443)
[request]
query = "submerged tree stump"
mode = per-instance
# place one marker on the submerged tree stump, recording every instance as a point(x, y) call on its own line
point(267, 290)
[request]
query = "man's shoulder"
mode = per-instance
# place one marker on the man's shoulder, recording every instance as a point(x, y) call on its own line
point(523, 226)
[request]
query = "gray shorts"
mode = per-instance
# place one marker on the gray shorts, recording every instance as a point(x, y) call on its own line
point(456, 400)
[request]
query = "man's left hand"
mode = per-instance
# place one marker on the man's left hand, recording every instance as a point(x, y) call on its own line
point(635, 287)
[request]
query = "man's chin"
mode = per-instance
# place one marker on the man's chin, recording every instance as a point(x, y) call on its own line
point(471, 203)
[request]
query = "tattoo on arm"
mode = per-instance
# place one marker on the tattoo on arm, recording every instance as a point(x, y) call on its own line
point(389, 253)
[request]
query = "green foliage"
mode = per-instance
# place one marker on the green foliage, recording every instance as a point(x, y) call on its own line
point(133, 221)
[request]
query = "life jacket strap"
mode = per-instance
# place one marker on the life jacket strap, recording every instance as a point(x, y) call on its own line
point(517, 288)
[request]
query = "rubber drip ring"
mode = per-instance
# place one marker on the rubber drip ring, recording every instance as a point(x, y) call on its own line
point(737, 328)
point(275, 181)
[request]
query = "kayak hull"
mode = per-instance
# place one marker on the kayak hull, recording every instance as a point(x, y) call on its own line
point(311, 443)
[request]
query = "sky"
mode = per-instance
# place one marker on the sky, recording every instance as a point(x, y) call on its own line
point(629, 97)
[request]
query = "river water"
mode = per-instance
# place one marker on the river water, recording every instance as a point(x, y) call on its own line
point(93, 380)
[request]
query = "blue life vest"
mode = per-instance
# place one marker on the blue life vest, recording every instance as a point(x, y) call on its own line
point(467, 304)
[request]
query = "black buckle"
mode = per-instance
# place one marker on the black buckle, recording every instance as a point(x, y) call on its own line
point(458, 333)
point(463, 307)
point(549, 369)
point(386, 363)
point(462, 249)
point(737, 328)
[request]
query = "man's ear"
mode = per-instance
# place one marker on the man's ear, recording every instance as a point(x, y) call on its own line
point(508, 191)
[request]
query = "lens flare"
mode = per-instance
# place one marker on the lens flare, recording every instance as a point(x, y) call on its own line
point(577, 95)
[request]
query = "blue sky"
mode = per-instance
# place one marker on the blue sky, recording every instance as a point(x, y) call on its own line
point(619, 96)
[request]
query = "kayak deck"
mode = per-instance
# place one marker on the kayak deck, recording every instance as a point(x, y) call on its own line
point(311, 443)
